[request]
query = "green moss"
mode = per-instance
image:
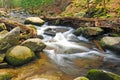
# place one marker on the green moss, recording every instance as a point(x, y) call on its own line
point(98, 75)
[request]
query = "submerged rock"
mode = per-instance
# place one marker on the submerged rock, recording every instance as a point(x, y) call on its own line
point(10, 39)
point(112, 43)
point(101, 75)
point(88, 31)
point(34, 20)
point(35, 44)
point(19, 55)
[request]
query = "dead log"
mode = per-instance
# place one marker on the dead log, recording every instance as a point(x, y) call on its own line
point(76, 22)
point(10, 24)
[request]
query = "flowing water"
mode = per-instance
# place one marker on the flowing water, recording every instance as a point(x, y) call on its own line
point(75, 55)
point(66, 56)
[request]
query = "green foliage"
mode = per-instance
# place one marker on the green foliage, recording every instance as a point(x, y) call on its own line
point(32, 4)
point(15, 3)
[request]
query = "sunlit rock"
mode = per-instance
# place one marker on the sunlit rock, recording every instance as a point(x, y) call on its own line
point(10, 39)
point(34, 20)
point(101, 75)
point(112, 43)
point(19, 55)
point(35, 44)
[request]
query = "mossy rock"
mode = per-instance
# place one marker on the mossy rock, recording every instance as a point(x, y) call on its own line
point(112, 43)
point(95, 74)
point(19, 55)
point(35, 44)
point(79, 31)
point(88, 31)
point(10, 39)
point(92, 31)
point(81, 78)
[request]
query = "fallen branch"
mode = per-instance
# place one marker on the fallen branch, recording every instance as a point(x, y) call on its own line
point(12, 24)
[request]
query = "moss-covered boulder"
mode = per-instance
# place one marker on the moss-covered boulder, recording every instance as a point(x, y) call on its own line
point(88, 31)
point(112, 43)
point(95, 74)
point(81, 78)
point(19, 55)
point(10, 39)
point(5, 75)
point(34, 21)
point(35, 44)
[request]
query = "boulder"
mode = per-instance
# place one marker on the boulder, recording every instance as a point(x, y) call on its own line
point(112, 43)
point(19, 55)
point(81, 78)
point(35, 44)
point(34, 21)
point(95, 74)
point(10, 39)
point(89, 31)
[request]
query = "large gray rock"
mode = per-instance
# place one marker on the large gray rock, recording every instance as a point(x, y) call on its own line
point(35, 44)
point(34, 20)
point(10, 39)
point(112, 43)
point(19, 55)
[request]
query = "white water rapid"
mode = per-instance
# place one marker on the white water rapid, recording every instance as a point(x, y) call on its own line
point(65, 48)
